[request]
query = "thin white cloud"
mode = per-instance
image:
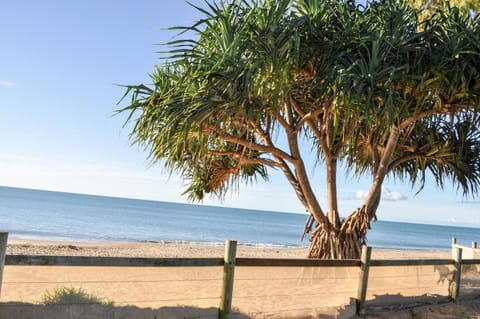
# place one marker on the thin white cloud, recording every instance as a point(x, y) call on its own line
point(387, 195)
point(392, 195)
point(360, 194)
point(7, 84)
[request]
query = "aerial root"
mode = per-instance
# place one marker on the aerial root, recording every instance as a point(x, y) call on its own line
point(343, 243)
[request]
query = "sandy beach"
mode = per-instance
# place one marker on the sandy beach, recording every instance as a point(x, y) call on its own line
point(170, 250)
point(193, 292)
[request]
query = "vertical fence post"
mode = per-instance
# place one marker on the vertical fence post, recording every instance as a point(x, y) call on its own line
point(3, 252)
point(454, 247)
point(474, 244)
point(363, 281)
point(457, 274)
point(228, 275)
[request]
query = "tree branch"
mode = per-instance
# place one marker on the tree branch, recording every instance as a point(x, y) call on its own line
point(328, 133)
point(406, 158)
point(210, 131)
point(419, 116)
point(307, 117)
point(295, 105)
point(345, 136)
point(374, 155)
point(304, 183)
point(283, 122)
point(247, 160)
point(265, 137)
point(289, 115)
point(315, 130)
point(293, 181)
point(373, 197)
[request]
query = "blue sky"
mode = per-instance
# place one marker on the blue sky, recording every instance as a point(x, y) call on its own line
point(60, 66)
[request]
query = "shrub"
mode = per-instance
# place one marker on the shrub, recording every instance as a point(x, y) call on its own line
point(72, 295)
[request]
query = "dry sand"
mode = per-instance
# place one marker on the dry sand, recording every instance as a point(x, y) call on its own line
point(259, 292)
point(169, 250)
point(157, 250)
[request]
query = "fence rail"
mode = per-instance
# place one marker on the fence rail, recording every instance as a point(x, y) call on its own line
point(39, 260)
point(410, 262)
point(230, 262)
point(36, 260)
point(277, 262)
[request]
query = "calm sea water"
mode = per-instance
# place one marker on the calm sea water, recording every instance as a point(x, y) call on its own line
point(34, 214)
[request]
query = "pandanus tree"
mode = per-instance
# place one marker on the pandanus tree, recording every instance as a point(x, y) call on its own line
point(467, 6)
point(372, 89)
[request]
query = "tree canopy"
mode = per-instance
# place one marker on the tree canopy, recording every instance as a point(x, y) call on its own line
point(373, 87)
point(466, 6)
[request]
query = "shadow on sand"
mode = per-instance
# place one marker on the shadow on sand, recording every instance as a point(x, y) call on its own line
point(20, 310)
point(381, 306)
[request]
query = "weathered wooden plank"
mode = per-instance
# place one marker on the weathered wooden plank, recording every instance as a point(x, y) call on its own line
point(457, 275)
point(33, 260)
point(3, 251)
point(280, 262)
point(410, 262)
point(172, 262)
point(363, 280)
point(225, 308)
point(470, 261)
point(26, 260)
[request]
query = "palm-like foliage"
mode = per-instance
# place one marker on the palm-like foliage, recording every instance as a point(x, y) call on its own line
point(466, 6)
point(376, 87)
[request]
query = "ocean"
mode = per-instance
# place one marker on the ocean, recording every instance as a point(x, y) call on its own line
point(57, 216)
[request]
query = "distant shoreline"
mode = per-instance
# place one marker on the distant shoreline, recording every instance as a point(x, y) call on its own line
point(64, 217)
point(151, 200)
point(254, 245)
point(189, 243)
point(176, 250)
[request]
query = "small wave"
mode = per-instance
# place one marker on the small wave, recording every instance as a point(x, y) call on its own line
point(183, 242)
point(267, 245)
point(219, 244)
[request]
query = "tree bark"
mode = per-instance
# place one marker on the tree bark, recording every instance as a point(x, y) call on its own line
point(373, 197)
point(332, 200)
point(313, 206)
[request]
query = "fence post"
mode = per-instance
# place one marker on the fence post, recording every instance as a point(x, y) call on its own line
point(3, 252)
point(228, 275)
point(454, 247)
point(474, 244)
point(363, 280)
point(457, 274)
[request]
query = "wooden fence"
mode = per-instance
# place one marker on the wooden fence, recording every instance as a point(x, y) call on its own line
point(229, 262)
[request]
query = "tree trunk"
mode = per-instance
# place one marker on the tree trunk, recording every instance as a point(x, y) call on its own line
point(344, 242)
point(332, 200)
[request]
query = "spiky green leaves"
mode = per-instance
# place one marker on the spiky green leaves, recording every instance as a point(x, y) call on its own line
point(340, 76)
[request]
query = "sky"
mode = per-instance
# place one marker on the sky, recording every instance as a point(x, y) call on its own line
point(62, 64)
